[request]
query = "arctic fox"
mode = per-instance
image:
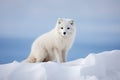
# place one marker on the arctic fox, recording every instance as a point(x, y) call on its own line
point(55, 44)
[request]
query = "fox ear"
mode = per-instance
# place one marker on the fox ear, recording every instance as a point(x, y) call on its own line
point(72, 22)
point(59, 20)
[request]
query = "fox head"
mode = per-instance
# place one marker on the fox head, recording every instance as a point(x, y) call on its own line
point(65, 27)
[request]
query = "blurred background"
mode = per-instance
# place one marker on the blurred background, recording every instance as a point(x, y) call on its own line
point(22, 21)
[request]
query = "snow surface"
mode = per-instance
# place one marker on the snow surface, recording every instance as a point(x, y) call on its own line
point(100, 66)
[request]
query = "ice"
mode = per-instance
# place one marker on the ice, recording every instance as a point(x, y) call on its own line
point(96, 66)
point(104, 66)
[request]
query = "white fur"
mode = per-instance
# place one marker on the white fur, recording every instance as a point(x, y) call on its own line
point(55, 44)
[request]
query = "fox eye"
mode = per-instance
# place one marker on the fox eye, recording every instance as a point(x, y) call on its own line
point(68, 28)
point(61, 27)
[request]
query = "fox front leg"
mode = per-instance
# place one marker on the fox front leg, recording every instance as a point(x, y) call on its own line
point(58, 56)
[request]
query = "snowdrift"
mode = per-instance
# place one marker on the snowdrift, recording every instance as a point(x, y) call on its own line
point(101, 66)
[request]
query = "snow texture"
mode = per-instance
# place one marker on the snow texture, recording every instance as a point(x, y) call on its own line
point(100, 66)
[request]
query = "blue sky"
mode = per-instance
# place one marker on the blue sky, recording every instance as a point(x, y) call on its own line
point(97, 21)
point(30, 18)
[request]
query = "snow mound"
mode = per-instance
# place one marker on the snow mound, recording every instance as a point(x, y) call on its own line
point(101, 66)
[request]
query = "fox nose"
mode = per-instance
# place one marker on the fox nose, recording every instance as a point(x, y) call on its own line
point(64, 33)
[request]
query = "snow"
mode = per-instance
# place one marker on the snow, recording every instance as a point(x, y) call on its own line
point(100, 66)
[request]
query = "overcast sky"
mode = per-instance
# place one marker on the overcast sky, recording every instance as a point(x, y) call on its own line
point(97, 21)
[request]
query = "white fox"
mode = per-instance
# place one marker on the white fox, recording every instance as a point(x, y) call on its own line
point(55, 44)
